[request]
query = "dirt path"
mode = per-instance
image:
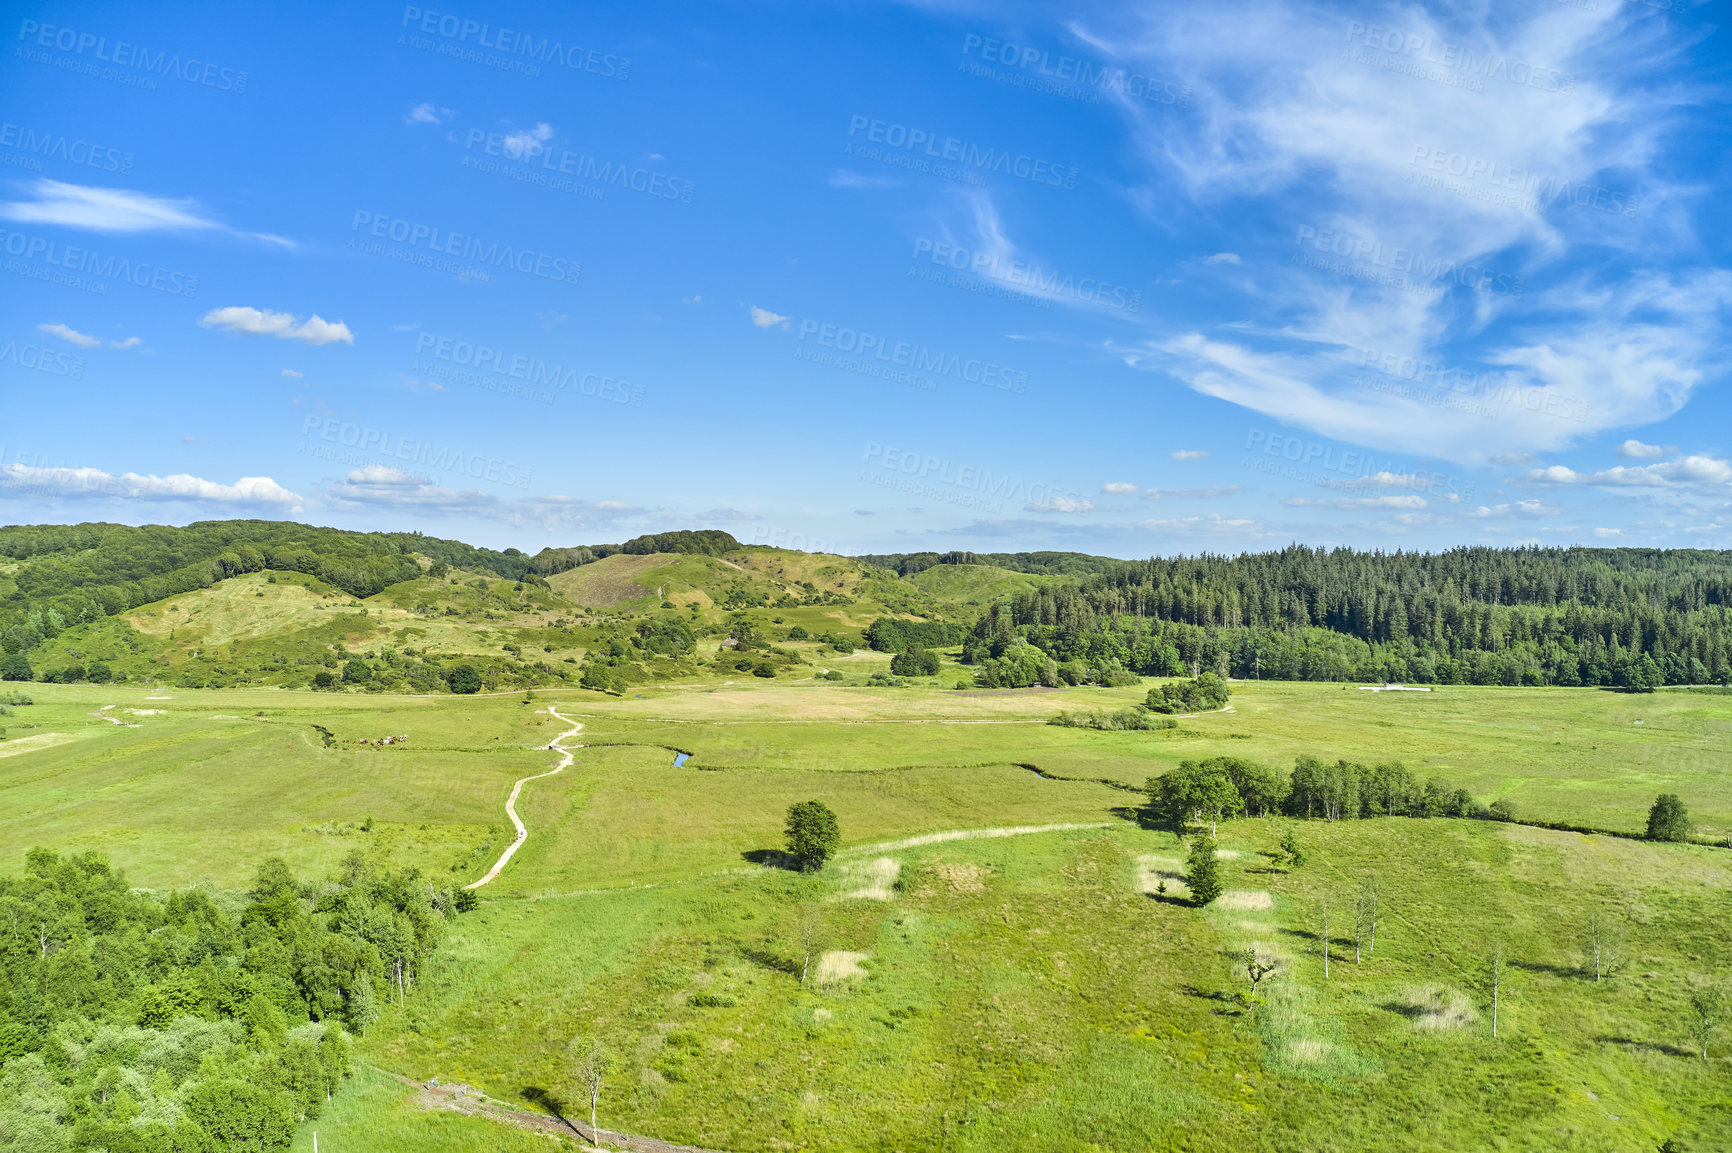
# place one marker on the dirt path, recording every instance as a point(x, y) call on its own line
point(566, 757)
point(967, 835)
point(102, 714)
point(473, 1103)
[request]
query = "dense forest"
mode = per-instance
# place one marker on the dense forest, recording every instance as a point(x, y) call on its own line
point(138, 1022)
point(1629, 618)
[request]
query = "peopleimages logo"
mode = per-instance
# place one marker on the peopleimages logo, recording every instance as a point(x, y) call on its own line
point(564, 162)
point(1086, 74)
point(339, 435)
point(91, 263)
point(1024, 275)
point(47, 145)
point(1366, 250)
point(440, 242)
point(914, 358)
point(34, 34)
point(522, 50)
point(485, 361)
point(50, 360)
point(949, 150)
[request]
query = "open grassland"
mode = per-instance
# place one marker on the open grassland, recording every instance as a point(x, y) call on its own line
point(1024, 990)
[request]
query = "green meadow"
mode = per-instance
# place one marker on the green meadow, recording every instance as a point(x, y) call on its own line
point(1029, 989)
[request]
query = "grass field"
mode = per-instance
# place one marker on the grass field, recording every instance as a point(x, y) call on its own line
point(1016, 991)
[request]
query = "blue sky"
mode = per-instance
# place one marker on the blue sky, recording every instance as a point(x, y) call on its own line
point(1127, 279)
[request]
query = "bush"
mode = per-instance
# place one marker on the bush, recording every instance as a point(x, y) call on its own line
point(915, 662)
point(1207, 691)
point(324, 679)
point(464, 680)
point(764, 669)
point(16, 667)
point(833, 675)
point(356, 671)
point(798, 633)
point(1133, 719)
point(1668, 819)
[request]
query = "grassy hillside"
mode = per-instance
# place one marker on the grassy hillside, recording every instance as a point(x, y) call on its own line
point(1023, 990)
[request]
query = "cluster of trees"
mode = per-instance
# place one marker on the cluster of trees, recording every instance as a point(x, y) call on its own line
point(1211, 790)
point(1624, 618)
point(1037, 563)
point(890, 635)
point(1131, 719)
point(915, 662)
point(143, 1022)
point(1199, 694)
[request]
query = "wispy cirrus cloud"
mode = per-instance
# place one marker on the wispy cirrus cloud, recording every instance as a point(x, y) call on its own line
point(118, 210)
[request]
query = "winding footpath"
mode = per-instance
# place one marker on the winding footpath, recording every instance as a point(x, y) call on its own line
point(567, 756)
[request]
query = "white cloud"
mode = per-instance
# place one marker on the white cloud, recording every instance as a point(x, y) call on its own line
point(1289, 117)
point(315, 330)
point(428, 114)
point(1210, 493)
point(94, 482)
point(105, 209)
point(764, 318)
point(1636, 450)
point(1604, 533)
point(1118, 488)
point(1686, 472)
point(1223, 258)
point(527, 140)
point(1061, 504)
point(1513, 458)
point(70, 335)
point(1355, 502)
point(129, 342)
point(1189, 454)
point(552, 318)
point(292, 373)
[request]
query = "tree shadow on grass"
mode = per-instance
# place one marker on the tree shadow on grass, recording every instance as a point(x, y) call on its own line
point(768, 960)
point(1650, 1046)
point(1551, 970)
point(773, 859)
point(542, 1099)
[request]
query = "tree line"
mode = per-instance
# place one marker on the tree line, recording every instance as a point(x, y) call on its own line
point(194, 1022)
point(1624, 618)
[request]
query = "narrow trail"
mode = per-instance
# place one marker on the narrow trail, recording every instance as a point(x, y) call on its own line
point(567, 756)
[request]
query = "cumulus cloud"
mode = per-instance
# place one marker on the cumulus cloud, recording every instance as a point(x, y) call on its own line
point(1635, 450)
point(527, 141)
point(1210, 493)
point(70, 335)
point(764, 318)
point(1223, 258)
point(94, 482)
point(1118, 488)
point(129, 342)
point(315, 330)
point(1356, 502)
point(289, 372)
point(1061, 504)
point(428, 114)
point(1686, 472)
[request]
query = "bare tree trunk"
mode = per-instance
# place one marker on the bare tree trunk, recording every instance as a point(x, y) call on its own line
point(1325, 940)
point(1496, 984)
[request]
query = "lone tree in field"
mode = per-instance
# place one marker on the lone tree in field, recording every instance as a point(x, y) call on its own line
point(1494, 974)
point(1203, 872)
point(1365, 918)
point(1605, 942)
point(1668, 820)
point(1707, 1007)
point(1256, 969)
point(813, 834)
point(1290, 849)
point(593, 1062)
point(809, 935)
